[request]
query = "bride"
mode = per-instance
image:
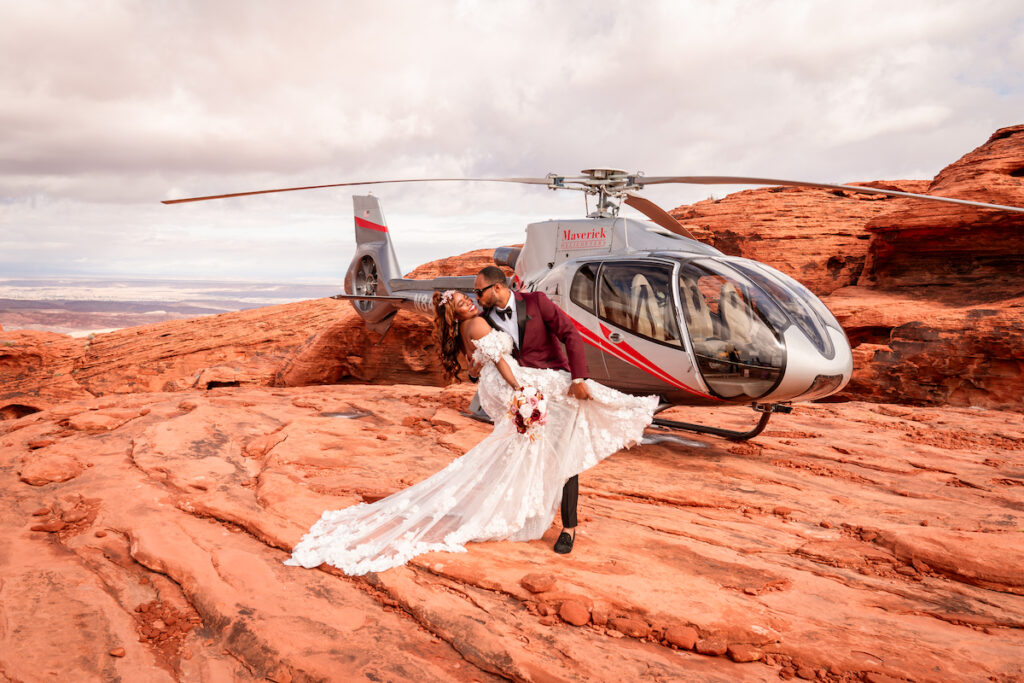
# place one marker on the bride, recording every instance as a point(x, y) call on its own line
point(508, 486)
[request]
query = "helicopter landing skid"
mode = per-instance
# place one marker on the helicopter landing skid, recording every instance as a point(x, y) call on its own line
point(766, 410)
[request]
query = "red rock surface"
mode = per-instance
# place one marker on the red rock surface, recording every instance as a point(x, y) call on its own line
point(927, 351)
point(899, 553)
point(574, 612)
point(41, 369)
point(974, 251)
point(37, 370)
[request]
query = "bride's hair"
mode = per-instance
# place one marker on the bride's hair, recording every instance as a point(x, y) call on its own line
point(446, 334)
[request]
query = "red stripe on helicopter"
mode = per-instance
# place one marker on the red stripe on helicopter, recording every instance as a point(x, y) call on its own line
point(641, 363)
point(363, 223)
point(620, 350)
point(634, 358)
point(631, 355)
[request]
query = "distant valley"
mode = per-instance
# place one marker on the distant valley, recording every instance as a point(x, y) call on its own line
point(79, 306)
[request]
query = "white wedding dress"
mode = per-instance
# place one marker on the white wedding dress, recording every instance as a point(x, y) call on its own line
point(507, 487)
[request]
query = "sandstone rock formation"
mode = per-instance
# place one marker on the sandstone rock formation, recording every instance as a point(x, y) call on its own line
point(41, 369)
point(144, 536)
point(973, 252)
point(347, 351)
point(36, 371)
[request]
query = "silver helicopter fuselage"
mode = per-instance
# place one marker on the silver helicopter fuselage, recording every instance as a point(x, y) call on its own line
point(665, 314)
point(659, 313)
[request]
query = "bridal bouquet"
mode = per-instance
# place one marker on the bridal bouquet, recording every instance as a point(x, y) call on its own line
point(529, 410)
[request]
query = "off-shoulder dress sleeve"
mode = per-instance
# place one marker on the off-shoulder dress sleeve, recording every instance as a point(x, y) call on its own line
point(491, 347)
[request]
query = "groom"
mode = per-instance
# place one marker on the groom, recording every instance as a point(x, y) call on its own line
point(536, 326)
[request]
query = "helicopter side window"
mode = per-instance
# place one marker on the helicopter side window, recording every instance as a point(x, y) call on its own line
point(637, 298)
point(581, 292)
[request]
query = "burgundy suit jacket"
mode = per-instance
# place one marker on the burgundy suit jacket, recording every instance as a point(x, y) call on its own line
point(542, 325)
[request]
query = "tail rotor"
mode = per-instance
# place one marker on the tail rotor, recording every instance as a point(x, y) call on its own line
point(365, 283)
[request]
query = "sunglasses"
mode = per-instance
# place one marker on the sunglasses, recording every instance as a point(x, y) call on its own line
point(480, 292)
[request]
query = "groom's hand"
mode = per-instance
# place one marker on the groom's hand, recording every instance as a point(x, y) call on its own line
point(579, 391)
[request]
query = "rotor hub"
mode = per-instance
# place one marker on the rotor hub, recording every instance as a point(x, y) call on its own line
point(603, 173)
point(604, 182)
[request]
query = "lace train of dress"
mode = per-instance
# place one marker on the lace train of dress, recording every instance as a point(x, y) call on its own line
point(507, 487)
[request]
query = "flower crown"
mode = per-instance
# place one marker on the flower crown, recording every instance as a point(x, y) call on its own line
point(447, 296)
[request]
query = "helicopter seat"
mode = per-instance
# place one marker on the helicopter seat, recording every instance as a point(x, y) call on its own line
point(698, 316)
point(737, 317)
point(746, 329)
point(647, 314)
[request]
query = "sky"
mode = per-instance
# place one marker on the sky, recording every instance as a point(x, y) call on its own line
point(108, 107)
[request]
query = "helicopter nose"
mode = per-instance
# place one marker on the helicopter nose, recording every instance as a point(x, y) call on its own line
point(811, 373)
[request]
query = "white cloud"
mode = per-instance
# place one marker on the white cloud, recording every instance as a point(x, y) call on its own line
point(108, 107)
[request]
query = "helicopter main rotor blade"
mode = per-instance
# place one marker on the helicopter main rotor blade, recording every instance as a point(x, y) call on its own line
point(525, 181)
point(734, 180)
point(657, 214)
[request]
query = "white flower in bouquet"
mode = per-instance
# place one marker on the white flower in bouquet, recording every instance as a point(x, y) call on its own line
point(528, 410)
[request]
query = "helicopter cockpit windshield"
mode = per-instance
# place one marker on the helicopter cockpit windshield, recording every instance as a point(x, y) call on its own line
point(804, 309)
point(735, 327)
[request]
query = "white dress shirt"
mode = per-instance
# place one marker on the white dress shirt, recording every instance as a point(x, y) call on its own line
point(512, 324)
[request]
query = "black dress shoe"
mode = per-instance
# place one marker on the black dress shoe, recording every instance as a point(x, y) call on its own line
point(563, 546)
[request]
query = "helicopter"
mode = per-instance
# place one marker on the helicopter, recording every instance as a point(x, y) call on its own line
point(659, 311)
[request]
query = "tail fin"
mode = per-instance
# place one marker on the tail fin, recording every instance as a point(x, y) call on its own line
point(373, 265)
point(372, 236)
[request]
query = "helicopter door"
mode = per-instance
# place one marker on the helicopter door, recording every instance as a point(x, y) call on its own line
point(582, 309)
point(639, 328)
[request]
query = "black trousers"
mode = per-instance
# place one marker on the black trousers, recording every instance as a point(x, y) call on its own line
point(570, 495)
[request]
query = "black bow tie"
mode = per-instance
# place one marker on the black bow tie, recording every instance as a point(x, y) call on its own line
point(504, 313)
